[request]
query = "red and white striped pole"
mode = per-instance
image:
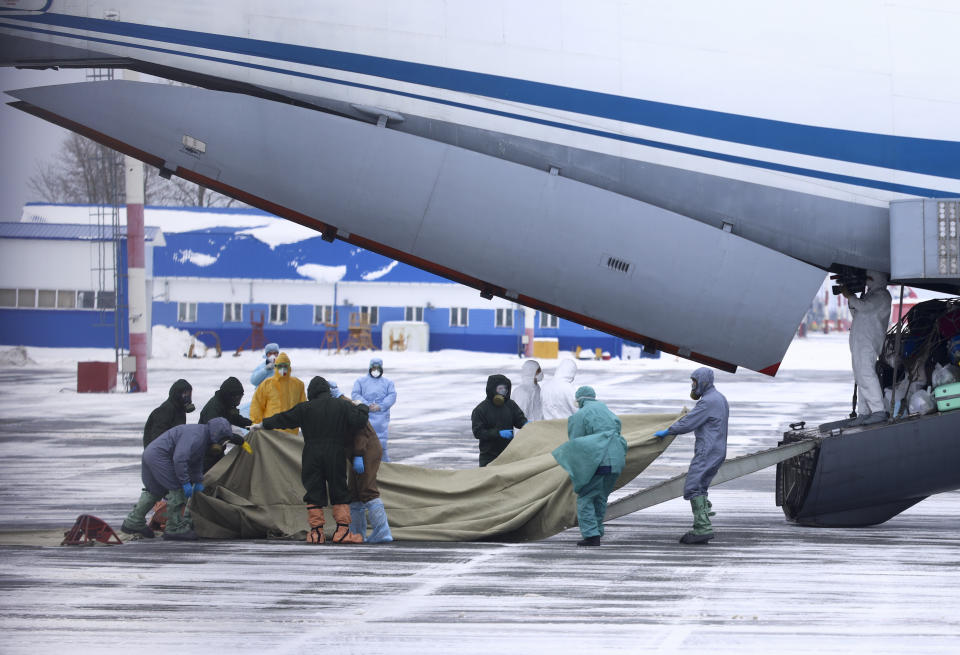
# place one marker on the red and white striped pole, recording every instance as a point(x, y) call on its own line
point(136, 274)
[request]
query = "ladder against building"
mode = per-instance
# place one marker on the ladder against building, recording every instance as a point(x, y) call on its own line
point(331, 335)
point(256, 340)
point(358, 333)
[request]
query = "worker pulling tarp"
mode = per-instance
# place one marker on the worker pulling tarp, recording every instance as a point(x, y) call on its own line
point(523, 495)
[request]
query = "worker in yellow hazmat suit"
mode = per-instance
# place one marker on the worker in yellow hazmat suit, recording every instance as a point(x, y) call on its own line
point(278, 393)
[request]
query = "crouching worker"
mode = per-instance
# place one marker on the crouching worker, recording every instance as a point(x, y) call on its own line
point(172, 465)
point(327, 424)
point(594, 457)
point(708, 421)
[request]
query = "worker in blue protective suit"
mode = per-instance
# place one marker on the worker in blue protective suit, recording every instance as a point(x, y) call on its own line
point(594, 457)
point(708, 421)
point(265, 369)
point(868, 329)
point(377, 393)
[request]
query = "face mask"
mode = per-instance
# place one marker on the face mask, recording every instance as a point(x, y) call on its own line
point(693, 391)
point(498, 400)
point(283, 370)
point(186, 402)
point(376, 372)
point(271, 359)
point(538, 377)
point(236, 400)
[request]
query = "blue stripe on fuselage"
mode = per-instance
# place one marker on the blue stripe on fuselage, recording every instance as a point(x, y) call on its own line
point(925, 156)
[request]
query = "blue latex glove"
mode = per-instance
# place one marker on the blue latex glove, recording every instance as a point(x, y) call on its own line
point(188, 490)
point(358, 465)
point(198, 487)
point(506, 434)
point(661, 434)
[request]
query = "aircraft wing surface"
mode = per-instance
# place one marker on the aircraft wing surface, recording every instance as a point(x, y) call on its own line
point(584, 253)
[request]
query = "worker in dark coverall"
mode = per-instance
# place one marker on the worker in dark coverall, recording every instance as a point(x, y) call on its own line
point(594, 457)
point(328, 424)
point(171, 412)
point(708, 421)
point(173, 465)
point(224, 404)
point(495, 418)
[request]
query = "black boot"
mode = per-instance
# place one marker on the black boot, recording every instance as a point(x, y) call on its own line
point(145, 531)
point(590, 541)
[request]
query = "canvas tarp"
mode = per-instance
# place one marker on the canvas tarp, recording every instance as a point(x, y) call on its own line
point(523, 495)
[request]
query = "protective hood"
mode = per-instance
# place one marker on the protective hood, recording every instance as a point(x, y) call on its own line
point(495, 381)
point(219, 430)
point(317, 386)
point(231, 387)
point(282, 359)
point(334, 389)
point(877, 280)
point(528, 372)
point(566, 370)
point(270, 348)
point(584, 394)
point(704, 379)
point(177, 389)
point(376, 361)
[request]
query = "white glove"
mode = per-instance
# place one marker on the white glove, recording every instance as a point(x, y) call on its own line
point(256, 426)
point(374, 407)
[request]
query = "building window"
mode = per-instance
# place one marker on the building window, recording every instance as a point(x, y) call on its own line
point(187, 312)
point(413, 314)
point(232, 312)
point(323, 315)
point(459, 317)
point(26, 297)
point(548, 320)
point(505, 318)
point(278, 314)
point(46, 298)
point(370, 315)
point(86, 299)
point(66, 298)
point(8, 297)
point(108, 300)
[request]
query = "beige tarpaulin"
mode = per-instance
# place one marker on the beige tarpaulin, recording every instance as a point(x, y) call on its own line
point(523, 495)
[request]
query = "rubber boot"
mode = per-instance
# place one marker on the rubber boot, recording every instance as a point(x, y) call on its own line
point(710, 511)
point(380, 533)
point(702, 530)
point(342, 535)
point(590, 541)
point(179, 523)
point(358, 518)
point(315, 520)
point(136, 520)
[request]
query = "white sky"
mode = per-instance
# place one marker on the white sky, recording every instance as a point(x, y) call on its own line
point(26, 140)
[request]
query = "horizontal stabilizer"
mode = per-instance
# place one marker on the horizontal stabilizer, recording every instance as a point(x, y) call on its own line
point(584, 253)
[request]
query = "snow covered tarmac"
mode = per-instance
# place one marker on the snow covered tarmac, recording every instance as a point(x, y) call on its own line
point(762, 585)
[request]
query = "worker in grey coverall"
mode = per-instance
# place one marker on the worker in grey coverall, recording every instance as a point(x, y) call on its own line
point(708, 421)
point(172, 465)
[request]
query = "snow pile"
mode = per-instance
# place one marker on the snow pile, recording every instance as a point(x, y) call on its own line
point(376, 275)
point(279, 232)
point(321, 273)
point(195, 258)
point(15, 357)
point(169, 342)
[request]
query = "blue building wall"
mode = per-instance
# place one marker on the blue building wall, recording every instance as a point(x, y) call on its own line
point(300, 332)
point(61, 328)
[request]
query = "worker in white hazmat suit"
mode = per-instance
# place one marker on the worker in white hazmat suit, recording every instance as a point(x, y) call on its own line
point(558, 393)
point(527, 393)
point(871, 317)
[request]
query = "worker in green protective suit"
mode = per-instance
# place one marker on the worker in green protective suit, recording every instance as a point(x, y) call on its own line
point(594, 457)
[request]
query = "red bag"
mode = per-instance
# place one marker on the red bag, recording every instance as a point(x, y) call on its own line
point(949, 324)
